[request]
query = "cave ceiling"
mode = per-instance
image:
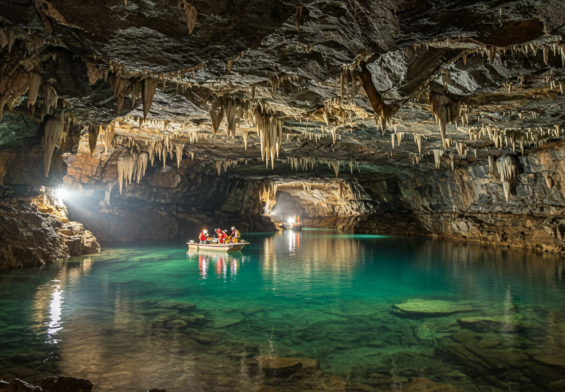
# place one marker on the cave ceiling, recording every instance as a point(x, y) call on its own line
point(321, 79)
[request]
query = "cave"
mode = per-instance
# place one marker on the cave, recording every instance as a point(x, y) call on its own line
point(282, 196)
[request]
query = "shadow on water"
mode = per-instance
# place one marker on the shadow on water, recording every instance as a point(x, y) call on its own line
point(372, 309)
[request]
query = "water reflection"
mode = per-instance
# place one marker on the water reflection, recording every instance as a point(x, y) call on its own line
point(224, 265)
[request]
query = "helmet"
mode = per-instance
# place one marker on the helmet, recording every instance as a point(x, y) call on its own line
point(205, 231)
point(233, 228)
point(225, 231)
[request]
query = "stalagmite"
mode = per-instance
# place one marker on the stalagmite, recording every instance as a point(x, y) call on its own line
point(507, 168)
point(147, 94)
point(93, 132)
point(53, 131)
point(179, 149)
point(437, 157)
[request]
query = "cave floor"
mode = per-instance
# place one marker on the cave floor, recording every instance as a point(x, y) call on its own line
point(375, 311)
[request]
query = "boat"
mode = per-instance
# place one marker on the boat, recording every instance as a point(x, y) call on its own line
point(229, 247)
point(295, 227)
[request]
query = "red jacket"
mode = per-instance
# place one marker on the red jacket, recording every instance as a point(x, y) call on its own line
point(202, 236)
point(223, 237)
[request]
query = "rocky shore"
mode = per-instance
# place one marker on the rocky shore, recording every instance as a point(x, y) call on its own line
point(35, 230)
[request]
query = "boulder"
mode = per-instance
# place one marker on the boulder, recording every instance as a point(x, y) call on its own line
point(422, 307)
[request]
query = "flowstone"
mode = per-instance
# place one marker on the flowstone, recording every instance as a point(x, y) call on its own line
point(424, 307)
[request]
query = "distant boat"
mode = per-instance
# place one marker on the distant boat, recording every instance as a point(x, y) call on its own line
point(230, 247)
point(295, 226)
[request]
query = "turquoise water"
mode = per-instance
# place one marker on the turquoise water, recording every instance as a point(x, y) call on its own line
point(139, 316)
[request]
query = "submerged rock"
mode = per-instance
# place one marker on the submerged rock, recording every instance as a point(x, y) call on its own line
point(278, 366)
point(222, 322)
point(426, 385)
point(424, 307)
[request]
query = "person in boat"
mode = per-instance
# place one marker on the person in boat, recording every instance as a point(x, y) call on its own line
point(298, 219)
point(224, 236)
point(220, 235)
point(235, 234)
point(203, 237)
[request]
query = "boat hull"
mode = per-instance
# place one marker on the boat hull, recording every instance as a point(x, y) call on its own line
point(193, 246)
point(296, 228)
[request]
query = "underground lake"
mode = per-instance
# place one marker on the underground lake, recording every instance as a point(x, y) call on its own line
point(355, 311)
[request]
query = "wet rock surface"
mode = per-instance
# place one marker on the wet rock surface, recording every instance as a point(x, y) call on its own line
point(35, 230)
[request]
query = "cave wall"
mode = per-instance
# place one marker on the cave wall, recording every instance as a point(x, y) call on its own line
point(469, 203)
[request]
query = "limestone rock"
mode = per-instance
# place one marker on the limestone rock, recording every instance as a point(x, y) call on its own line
point(205, 337)
point(431, 307)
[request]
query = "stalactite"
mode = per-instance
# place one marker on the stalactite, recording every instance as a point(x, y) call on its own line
point(298, 17)
point(548, 180)
point(461, 149)
point(219, 167)
point(418, 141)
point(398, 138)
point(147, 94)
point(437, 157)
point(131, 166)
point(190, 14)
point(336, 165)
point(490, 164)
point(245, 138)
point(392, 139)
point(179, 149)
point(507, 168)
point(93, 132)
point(53, 131)
point(445, 111)
point(230, 116)
point(34, 84)
point(49, 97)
point(108, 137)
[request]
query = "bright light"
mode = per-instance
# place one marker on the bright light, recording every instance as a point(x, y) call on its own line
point(291, 220)
point(61, 193)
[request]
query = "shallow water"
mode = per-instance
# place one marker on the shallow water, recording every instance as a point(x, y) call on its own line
point(318, 294)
